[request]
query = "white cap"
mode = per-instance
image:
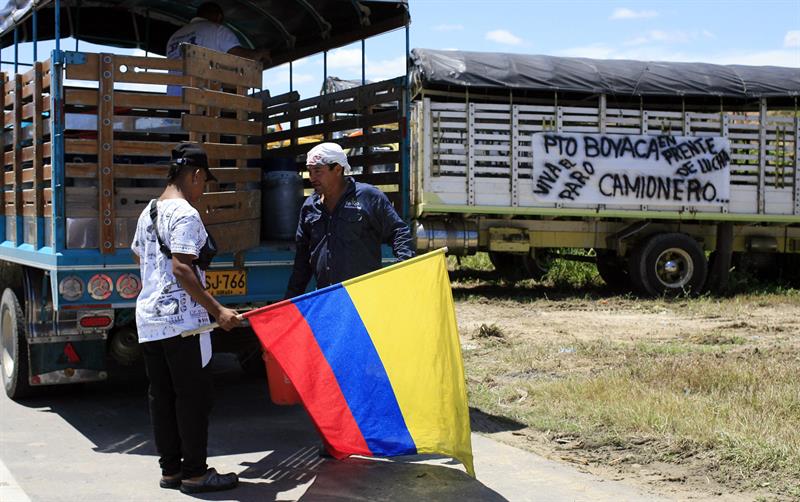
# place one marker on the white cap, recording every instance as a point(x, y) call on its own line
point(327, 154)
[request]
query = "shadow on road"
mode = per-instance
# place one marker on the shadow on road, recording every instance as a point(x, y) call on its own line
point(113, 416)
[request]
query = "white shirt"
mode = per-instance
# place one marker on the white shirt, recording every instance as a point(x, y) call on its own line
point(164, 309)
point(202, 32)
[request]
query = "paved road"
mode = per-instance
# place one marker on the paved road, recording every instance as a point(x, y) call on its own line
point(93, 443)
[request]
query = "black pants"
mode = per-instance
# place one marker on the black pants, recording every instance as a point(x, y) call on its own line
point(180, 402)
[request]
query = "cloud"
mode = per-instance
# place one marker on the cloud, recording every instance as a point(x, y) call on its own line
point(624, 13)
point(346, 63)
point(792, 39)
point(597, 51)
point(503, 37)
point(787, 58)
point(763, 58)
point(663, 37)
point(386, 68)
point(344, 58)
point(279, 77)
point(448, 27)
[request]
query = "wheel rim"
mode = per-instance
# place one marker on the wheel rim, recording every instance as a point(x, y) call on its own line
point(674, 268)
point(7, 341)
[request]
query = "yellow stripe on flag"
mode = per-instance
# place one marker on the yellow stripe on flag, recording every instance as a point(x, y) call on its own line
point(408, 312)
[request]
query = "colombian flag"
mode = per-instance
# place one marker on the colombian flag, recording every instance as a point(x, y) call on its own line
point(376, 361)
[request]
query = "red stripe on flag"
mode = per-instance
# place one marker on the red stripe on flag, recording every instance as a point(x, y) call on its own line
point(284, 332)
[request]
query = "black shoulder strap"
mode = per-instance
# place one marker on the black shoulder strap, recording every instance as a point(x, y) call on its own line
point(154, 218)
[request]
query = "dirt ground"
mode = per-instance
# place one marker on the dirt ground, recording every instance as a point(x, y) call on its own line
point(540, 318)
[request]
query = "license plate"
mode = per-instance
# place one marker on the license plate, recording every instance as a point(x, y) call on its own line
point(226, 282)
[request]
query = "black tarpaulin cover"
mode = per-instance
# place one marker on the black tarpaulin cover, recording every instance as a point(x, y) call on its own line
point(619, 77)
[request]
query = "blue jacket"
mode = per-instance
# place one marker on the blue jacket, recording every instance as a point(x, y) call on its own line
point(346, 243)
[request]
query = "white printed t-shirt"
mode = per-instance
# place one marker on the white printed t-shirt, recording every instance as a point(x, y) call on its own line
point(164, 309)
point(202, 32)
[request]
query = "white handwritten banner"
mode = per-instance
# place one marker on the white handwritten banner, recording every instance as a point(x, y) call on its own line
point(623, 169)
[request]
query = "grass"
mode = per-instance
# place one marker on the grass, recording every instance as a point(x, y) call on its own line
point(735, 407)
point(726, 398)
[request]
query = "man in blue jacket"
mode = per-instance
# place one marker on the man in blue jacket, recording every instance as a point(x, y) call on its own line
point(342, 225)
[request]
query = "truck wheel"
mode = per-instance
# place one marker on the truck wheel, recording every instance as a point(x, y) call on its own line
point(508, 266)
point(612, 269)
point(537, 266)
point(13, 347)
point(668, 264)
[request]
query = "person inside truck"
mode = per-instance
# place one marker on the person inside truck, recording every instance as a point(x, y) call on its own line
point(206, 30)
point(173, 249)
point(342, 225)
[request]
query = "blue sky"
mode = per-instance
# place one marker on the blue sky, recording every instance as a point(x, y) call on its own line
point(765, 32)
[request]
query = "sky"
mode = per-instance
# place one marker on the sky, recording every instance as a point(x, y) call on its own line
point(753, 32)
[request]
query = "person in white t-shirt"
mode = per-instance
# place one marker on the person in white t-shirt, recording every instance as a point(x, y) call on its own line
point(170, 245)
point(206, 30)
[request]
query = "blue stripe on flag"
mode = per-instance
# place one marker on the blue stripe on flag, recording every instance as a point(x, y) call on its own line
point(349, 350)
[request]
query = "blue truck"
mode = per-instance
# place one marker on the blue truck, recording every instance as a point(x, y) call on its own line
point(87, 137)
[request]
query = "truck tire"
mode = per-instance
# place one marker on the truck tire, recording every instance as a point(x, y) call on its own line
point(536, 266)
point(507, 265)
point(13, 347)
point(668, 264)
point(612, 269)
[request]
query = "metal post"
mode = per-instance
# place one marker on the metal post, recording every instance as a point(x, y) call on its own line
point(147, 33)
point(405, 168)
point(57, 34)
point(16, 50)
point(325, 72)
point(76, 33)
point(35, 22)
point(363, 62)
point(291, 77)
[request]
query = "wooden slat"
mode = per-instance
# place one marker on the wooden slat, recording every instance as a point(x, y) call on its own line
point(363, 140)
point(153, 78)
point(327, 105)
point(80, 146)
point(196, 123)
point(86, 71)
point(28, 175)
point(221, 207)
point(105, 151)
point(224, 100)
point(226, 68)
point(3, 122)
point(215, 150)
point(235, 236)
point(280, 99)
point(88, 97)
point(141, 62)
point(38, 148)
point(17, 150)
point(337, 125)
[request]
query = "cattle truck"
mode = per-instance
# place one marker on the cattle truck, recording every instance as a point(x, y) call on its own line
point(669, 174)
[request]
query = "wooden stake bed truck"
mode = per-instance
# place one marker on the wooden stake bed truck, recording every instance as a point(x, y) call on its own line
point(86, 144)
point(651, 165)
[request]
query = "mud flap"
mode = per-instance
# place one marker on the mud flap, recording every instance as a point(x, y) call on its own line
point(67, 362)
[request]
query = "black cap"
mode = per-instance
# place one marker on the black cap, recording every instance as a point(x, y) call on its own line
point(190, 155)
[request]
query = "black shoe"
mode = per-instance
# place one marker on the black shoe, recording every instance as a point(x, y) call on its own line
point(170, 482)
point(212, 482)
point(323, 452)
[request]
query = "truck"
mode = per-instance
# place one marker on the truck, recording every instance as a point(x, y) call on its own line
point(666, 174)
point(87, 138)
